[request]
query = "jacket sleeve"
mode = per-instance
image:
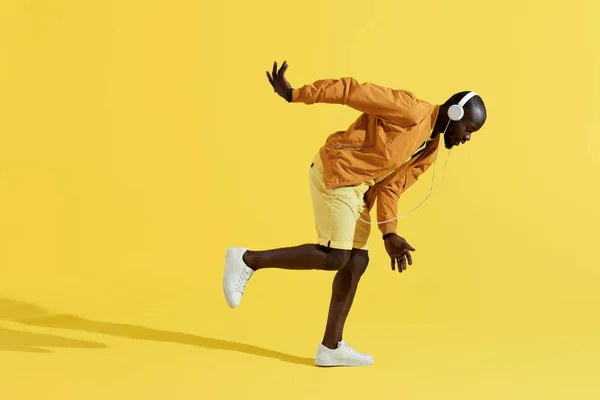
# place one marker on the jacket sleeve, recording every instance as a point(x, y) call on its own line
point(366, 97)
point(388, 196)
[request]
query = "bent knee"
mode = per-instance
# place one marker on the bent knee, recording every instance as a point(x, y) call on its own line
point(359, 262)
point(337, 259)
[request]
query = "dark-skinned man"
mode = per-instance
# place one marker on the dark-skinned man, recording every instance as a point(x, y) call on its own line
point(393, 141)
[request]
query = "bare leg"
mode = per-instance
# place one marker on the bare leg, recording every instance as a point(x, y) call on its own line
point(302, 257)
point(343, 291)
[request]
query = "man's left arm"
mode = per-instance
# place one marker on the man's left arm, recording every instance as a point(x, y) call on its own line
point(388, 196)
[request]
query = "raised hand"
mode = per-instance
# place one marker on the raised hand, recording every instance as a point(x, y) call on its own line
point(278, 81)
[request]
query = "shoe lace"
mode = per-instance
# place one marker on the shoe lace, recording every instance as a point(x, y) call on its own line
point(243, 280)
point(349, 349)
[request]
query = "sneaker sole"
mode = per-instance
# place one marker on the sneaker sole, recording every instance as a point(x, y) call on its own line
point(226, 272)
point(333, 363)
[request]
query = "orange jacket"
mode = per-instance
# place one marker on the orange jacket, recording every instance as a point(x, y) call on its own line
point(393, 124)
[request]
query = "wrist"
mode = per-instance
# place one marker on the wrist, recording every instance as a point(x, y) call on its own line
point(288, 95)
point(388, 235)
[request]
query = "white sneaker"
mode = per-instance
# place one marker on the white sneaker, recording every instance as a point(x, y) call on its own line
point(344, 355)
point(236, 276)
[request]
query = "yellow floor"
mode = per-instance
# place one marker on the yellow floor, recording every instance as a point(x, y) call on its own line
point(171, 335)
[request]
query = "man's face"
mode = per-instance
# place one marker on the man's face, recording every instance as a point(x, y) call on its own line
point(459, 132)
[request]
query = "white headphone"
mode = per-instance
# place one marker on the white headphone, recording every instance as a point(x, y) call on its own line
point(456, 111)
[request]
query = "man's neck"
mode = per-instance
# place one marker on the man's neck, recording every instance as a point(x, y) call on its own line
point(440, 122)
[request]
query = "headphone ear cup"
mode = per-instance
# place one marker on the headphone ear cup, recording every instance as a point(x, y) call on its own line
point(455, 112)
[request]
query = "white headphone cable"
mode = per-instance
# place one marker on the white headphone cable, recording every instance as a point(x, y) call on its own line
point(429, 195)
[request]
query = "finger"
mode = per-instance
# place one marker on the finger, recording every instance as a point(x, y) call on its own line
point(403, 262)
point(274, 73)
point(399, 261)
point(283, 68)
point(409, 258)
point(393, 260)
point(270, 79)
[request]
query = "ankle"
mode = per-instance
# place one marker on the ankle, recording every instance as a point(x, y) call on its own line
point(330, 344)
point(248, 259)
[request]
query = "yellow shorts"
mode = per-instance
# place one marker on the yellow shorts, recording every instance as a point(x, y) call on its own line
point(337, 223)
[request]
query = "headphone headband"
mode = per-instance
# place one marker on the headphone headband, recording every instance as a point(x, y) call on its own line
point(466, 98)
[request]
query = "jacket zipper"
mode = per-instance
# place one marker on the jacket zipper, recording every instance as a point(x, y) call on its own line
point(347, 147)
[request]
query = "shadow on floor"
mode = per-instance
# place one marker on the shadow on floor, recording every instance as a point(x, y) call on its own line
point(32, 315)
point(31, 342)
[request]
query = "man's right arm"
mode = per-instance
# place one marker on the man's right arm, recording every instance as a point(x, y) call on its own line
point(364, 97)
point(289, 95)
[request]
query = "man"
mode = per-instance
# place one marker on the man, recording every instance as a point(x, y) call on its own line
point(382, 154)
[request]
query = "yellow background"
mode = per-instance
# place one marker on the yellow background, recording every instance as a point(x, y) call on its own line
point(140, 139)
